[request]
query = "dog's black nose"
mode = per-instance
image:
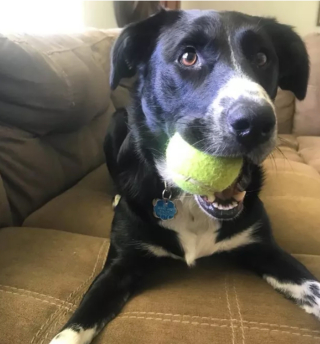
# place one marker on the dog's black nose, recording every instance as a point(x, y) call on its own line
point(252, 123)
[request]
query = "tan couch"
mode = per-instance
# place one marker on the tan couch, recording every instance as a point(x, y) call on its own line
point(55, 208)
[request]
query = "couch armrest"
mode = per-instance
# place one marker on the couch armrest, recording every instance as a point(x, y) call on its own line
point(5, 213)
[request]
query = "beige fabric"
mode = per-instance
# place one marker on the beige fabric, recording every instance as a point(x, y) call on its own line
point(36, 169)
point(52, 84)
point(307, 117)
point(291, 197)
point(48, 144)
point(45, 272)
point(54, 110)
point(309, 149)
point(5, 212)
point(284, 105)
point(85, 208)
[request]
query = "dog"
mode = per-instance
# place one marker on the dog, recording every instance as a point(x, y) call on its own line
point(212, 77)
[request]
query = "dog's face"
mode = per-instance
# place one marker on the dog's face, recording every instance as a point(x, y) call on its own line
point(212, 77)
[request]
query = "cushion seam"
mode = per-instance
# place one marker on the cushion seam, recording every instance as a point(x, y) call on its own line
point(239, 312)
point(229, 310)
point(49, 321)
point(35, 298)
point(217, 325)
point(183, 316)
point(4, 287)
point(83, 45)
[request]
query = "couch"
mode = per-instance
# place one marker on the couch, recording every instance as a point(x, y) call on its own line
point(55, 208)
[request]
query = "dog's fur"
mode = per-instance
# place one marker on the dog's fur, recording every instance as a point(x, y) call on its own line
point(197, 102)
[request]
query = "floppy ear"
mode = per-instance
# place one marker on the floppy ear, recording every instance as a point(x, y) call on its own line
point(293, 58)
point(134, 46)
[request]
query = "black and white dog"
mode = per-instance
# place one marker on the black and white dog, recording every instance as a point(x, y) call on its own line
point(212, 77)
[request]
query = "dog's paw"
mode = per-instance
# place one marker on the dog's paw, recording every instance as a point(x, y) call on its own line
point(76, 335)
point(311, 299)
point(305, 294)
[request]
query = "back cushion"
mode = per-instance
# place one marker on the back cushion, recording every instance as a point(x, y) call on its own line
point(284, 105)
point(307, 117)
point(54, 110)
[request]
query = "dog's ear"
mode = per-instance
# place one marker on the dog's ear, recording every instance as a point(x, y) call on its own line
point(134, 46)
point(292, 55)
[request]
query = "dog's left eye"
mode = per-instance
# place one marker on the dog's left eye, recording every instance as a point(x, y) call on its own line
point(260, 59)
point(189, 57)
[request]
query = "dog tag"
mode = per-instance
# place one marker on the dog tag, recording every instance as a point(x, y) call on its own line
point(164, 209)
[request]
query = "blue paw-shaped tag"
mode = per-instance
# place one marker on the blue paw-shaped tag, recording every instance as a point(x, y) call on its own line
point(164, 209)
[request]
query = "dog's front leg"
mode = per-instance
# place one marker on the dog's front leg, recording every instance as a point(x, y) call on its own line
point(285, 274)
point(103, 301)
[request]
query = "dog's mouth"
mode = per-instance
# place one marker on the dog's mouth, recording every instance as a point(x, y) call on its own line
point(227, 204)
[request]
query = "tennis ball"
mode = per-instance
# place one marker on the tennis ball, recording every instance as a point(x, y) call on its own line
point(197, 172)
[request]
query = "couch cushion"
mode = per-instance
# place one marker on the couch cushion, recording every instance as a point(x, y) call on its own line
point(85, 208)
point(43, 274)
point(5, 212)
point(284, 104)
point(309, 149)
point(291, 197)
point(54, 110)
point(287, 148)
point(307, 118)
point(52, 83)
point(36, 169)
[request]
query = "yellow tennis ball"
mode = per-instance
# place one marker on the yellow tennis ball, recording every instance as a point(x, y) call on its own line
point(197, 172)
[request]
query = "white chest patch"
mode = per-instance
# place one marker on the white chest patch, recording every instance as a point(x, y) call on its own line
point(198, 232)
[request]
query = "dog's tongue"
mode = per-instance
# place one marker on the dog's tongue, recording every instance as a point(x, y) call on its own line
point(232, 191)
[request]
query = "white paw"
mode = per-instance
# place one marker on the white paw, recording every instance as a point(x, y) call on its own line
point(74, 336)
point(306, 294)
point(311, 300)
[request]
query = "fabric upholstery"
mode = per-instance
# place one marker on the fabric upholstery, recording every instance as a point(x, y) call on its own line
point(54, 109)
point(309, 149)
point(85, 208)
point(291, 197)
point(45, 272)
point(5, 213)
point(55, 104)
point(307, 116)
point(284, 104)
point(35, 169)
point(50, 85)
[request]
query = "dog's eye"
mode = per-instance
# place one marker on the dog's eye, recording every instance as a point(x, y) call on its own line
point(189, 57)
point(261, 59)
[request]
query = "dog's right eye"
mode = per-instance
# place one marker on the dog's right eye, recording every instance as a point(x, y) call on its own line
point(189, 57)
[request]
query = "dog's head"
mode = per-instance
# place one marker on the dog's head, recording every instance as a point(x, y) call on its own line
point(212, 77)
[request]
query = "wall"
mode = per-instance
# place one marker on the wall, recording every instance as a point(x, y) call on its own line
point(99, 14)
point(300, 14)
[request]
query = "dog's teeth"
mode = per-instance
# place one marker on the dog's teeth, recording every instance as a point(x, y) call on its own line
point(215, 204)
point(220, 206)
point(234, 204)
point(211, 198)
